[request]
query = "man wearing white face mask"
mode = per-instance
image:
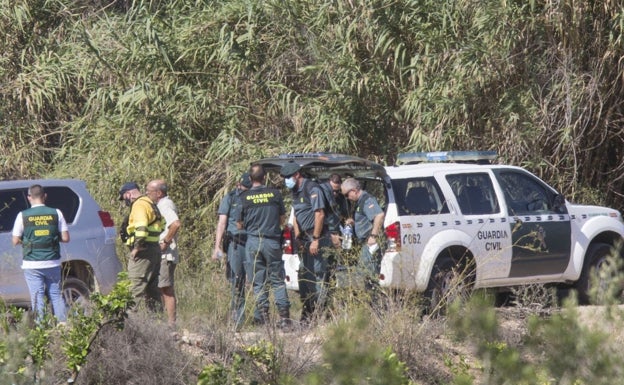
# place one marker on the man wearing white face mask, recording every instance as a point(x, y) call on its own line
point(309, 207)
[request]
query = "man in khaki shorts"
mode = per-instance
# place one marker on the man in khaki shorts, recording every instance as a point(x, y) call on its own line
point(157, 191)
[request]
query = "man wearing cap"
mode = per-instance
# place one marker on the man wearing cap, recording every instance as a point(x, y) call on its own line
point(262, 216)
point(144, 227)
point(309, 226)
point(232, 240)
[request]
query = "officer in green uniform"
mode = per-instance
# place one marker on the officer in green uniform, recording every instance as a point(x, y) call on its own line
point(368, 223)
point(309, 207)
point(336, 211)
point(336, 206)
point(232, 240)
point(261, 217)
point(39, 230)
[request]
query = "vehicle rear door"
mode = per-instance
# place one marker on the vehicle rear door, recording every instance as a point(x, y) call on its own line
point(483, 221)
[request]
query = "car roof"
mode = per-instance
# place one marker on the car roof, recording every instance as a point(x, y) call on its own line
point(321, 165)
point(5, 184)
point(428, 169)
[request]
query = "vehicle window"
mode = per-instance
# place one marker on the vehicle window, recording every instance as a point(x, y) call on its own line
point(524, 194)
point(11, 203)
point(64, 199)
point(14, 201)
point(419, 196)
point(474, 193)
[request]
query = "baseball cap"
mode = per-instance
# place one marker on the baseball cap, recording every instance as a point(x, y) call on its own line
point(289, 169)
point(127, 187)
point(245, 180)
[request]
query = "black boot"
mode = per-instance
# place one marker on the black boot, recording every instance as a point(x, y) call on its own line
point(264, 318)
point(285, 323)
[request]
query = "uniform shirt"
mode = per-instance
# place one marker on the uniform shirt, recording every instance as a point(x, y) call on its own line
point(306, 200)
point(333, 210)
point(261, 210)
point(169, 211)
point(18, 231)
point(230, 206)
point(366, 210)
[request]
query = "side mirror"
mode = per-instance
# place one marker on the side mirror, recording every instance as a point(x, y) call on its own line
point(559, 204)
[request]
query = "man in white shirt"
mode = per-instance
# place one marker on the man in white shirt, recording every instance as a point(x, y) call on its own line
point(157, 191)
point(39, 230)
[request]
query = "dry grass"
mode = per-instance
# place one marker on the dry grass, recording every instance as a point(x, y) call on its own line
point(145, 352)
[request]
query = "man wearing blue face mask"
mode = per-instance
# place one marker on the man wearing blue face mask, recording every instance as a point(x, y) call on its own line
point(309, 207)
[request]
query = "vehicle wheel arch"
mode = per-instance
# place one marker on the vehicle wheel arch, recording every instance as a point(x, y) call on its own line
point(442, 285)
point(581, 249)
point(596, 254)
point(80, 270)
point(454, 241)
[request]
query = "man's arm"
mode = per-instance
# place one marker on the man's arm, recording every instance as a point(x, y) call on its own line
point(221, 225)
point(63, 230)
point(377, 226)
point(172, 231)
point(319, 218)
point(18, 230)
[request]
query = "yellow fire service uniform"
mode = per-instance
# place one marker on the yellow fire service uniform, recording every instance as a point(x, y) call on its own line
point(144, 227)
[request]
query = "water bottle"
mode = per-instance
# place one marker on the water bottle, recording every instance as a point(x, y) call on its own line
point(347, 237)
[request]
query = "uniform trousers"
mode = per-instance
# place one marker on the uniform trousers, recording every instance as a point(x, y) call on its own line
point(267, 269)
point(143, 271)
point(236, 274)
point(313, 277)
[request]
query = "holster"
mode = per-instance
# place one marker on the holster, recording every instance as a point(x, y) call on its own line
point(227, 238)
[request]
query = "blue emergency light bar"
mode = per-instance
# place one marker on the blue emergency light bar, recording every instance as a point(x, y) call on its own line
point(480, 157)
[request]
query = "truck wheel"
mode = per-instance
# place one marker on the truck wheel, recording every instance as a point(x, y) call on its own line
point(75, 292)
point(449, 281)
point(597, 274)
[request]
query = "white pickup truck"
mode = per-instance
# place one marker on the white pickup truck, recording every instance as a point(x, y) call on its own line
point(447, 212)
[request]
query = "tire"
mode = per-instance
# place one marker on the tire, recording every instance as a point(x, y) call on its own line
point(75, 293)
point(450, 281)
point(593, 287)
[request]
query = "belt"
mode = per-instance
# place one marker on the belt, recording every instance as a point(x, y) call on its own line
point(273, 237)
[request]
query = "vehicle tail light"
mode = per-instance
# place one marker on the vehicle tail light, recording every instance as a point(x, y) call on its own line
point(393, 237)
point(287, 237)
point(107, 220)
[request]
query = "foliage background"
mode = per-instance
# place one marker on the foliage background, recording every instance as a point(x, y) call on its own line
point(193, 91)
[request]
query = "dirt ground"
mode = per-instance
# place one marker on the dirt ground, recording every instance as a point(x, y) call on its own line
point(454, 355)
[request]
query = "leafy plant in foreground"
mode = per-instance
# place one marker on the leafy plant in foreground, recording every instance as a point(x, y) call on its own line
point(86, 324)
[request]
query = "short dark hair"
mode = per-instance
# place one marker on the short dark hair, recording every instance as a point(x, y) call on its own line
point(335, 178)
point(36, 191)
point(257, 173)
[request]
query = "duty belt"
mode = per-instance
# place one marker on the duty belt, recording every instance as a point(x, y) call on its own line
point(273, 237)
